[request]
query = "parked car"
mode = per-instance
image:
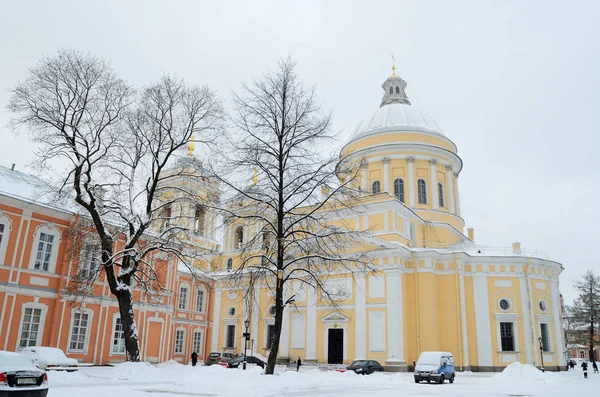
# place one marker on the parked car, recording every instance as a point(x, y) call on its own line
point(219, 357)
point(365, 367)
point(237, 362)
point(19, 377)
point(435, 366)
point(49, 358)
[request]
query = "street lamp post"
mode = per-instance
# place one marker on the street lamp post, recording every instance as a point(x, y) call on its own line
point(246, 337)
point(252, 347)
point(542, 352)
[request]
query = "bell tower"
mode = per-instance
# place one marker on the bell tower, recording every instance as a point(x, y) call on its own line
point(394, 88)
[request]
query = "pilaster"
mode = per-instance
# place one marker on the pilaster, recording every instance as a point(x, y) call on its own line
point(435, 201)
point(386, 174)
point(360, 312)
point(395, 361)
point(450, 190)
point(311, 325)
point(410, 188)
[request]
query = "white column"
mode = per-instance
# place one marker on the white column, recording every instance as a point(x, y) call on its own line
point(410, 187)
point(311, 324)
point(435, 202)
point(482, 321)
point(463, 310)
point(386, 174)
point(255, 316)
point(526, 312)
point(450, 188)
point(216, 320)
point(457, 194)
point(395, 334)
point(360, 312)
point(284, 341)
point(363, 170)
point(559, 341)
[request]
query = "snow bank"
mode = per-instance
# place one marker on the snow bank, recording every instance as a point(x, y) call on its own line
point(526, 373)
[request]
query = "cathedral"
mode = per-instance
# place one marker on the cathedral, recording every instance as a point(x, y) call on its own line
point(434, 288)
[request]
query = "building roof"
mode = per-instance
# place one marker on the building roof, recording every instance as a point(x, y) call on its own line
point(25, 187)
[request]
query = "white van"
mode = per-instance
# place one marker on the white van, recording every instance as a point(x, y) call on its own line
point(435, 366)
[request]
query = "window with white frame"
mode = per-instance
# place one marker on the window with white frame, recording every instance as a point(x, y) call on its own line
point(507, 336)
point(118, 342)
point(199, 219)
point(79, 328)
point(441, 194)
point(183, 296)
point(200, 301)
point(90, 260)
point(4, 232)
point(545, 334)
point(270, 335)
point(30, 327)
point(376, 187)
point(230, 336)
point(197, 343)
point(179, 339)
point(44, 251)
point(229, 264)
point(2, 228)
point(422, 190)
point(399, 189)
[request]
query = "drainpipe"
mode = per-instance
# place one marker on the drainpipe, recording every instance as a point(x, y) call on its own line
point(416, 265)
point(531, 314)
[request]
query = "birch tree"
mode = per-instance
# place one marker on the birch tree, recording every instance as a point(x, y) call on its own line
point(298, 195)
point(112, 146)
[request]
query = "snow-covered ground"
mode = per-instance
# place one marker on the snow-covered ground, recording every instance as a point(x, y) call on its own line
point(172, 379)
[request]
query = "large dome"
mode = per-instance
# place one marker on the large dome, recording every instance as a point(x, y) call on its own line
point(396, 117)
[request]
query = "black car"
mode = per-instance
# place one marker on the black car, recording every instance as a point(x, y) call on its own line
point(365, 367)
point(236, 362)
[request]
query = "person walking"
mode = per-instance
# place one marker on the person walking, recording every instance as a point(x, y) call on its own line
point(595, 366)
point(298, 364)
point(572, 364)
point(584, 368)
point(194, 359)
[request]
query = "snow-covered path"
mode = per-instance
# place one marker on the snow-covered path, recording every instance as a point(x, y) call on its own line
point(140, 380)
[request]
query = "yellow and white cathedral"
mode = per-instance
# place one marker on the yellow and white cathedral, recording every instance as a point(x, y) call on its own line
point(434, 288)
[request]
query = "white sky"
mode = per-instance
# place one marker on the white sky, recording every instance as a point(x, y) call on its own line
point(514, 84)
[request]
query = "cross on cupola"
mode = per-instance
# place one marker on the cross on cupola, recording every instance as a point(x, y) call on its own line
point(394, 88)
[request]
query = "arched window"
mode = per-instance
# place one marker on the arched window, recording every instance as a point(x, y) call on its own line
point(391, 90)
point(229, 264)
point(266, 240)
point(422, 191)
point(441, 194)
point(199, 215)
point(376, 187)
point(239, 237)
point(399, 189)
point(397, 90)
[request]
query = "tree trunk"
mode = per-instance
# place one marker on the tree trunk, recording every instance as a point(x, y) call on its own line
point(125, 300)
point(278, 321)
point(592, 355)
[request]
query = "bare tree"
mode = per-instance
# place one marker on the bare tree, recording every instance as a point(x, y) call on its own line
point(114, 146)
point(298, 198)
point(586, 308)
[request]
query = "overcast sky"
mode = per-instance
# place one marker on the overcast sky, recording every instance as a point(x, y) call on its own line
point(514, 84)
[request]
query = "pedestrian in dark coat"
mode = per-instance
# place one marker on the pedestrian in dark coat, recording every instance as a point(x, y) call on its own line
point(584, 368)
point(194, 359)
point(572, 364)
point(298, 364)
point(595, 366)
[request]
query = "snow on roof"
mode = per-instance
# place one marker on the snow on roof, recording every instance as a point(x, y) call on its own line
point(25, 186)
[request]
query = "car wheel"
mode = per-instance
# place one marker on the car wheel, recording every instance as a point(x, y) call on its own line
point(417, 381)
point(428, 380)
point(441, 379)
point(451, 379)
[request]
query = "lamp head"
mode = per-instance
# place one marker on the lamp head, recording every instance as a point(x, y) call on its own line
point(247, 323)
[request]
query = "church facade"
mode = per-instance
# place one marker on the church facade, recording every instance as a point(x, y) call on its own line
point(434, 288)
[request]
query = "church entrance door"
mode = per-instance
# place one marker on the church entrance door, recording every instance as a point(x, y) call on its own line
point(335, 350)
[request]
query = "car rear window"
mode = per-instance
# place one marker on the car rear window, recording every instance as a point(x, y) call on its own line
point(213, 355)
point(14, 360)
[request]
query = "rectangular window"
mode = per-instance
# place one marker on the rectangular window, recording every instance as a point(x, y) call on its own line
point(1, 233)
point(197, 342)
point(581, 354)
point(78, 331)
point(30, 327)
point(507, 337)
point(90, 260)
point(183, 293)
point(545, 337)
point(270, 335)
point(118, 343)
point(44, 252)
point(199, 220)
point(200, 301)
point(230, 340)
point(179, 338)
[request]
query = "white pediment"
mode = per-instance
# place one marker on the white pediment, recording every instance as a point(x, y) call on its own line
point(335, 318)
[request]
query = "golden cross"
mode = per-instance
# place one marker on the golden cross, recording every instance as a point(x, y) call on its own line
point(393, 65)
